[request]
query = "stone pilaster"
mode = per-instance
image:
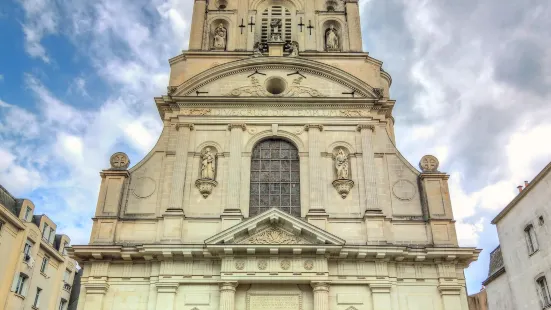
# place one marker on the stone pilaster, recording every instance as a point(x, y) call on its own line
point(197, 24)
point(152, 298)
point(451, 297)
point(227, 295)
point(321, 295)
point(314, 158)
point(354, 27)
point(94, 295)
point(180, 163)
point(234, 171)
point(370, 173)
point(166, 294)
point(381, 296)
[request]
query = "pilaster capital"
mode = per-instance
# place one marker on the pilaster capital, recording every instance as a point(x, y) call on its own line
point(232, 126)
point(167, 287)
point(96, 288)
point(320, 286)
point(362, 127)
point(228, 286)
point(184, 125)
point(381, 288)
point(449, 289)
point(315, 126)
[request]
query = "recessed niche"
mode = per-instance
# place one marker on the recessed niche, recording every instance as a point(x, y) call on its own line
point(275, 85)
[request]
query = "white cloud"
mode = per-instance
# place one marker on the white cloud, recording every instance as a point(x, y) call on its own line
point(1, 77)
point(18, 178)
point(41, 19)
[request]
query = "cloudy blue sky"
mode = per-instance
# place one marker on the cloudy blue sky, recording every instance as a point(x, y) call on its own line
point(472, 81)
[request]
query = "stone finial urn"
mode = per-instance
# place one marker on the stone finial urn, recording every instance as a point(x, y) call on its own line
point(343, 187)
point(205, 186)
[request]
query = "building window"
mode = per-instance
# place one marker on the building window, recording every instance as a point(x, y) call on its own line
point(275, 177)
point(27, 251)
point(273, 13)
point(20, 284)
point(531, 240)
point(37, 297)
point(65, 246)
point(62, 304)
point(44, 265)
point(46, 232)
point(52, 235)
point(28, 214)
point(543, 292)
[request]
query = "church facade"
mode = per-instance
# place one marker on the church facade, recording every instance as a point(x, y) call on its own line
point(276, 182)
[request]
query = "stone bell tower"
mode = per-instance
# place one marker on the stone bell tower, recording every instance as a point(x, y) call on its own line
point(276, 182)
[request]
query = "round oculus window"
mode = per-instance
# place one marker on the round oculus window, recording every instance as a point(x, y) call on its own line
point(276, 85)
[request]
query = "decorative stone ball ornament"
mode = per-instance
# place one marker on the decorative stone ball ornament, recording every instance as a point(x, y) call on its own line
point(119, 161)
point(429, 163)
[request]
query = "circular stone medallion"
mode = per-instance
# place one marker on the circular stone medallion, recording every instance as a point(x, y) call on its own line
point(429, 163)
point(403, 190)
point(262, 264)
point(240, 265)
point(285, 264)
point(145, 187)
point(308, 264)
point(119, 160)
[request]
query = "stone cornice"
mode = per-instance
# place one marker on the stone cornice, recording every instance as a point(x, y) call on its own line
point(221, 106)
point(463, 256)
point(366, 126)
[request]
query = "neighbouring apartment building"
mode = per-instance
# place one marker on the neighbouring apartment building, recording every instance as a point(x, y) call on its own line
point(276, 182)
point(35, 270)
point(520, 267)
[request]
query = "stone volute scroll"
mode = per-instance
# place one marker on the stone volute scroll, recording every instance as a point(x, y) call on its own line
point(119, 161)
point(206, 183)
point(332, 39)
point(220, 36)
point(343, 184)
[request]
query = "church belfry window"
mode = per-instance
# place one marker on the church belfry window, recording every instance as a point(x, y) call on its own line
point(276, 12)
point(275, 177)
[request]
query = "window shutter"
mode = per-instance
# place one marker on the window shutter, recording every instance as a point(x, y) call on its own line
point(15, 281)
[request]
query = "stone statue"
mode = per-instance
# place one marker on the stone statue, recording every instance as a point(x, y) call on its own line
point(220, 35)
point(275, 34)
point(293, 49)
point(257, 51)
point(341, 163)
point(208, 163)
point(331, 39)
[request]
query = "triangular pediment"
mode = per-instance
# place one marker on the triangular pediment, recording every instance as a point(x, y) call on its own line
point(274, 227)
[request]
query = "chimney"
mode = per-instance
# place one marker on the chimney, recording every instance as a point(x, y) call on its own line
point(526, 184)
point(519, 188)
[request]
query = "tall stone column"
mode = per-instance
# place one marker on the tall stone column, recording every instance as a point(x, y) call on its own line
point(370, 173)
point(354, 27)
point(314, 158)
point(197, 24)
point(232, 211)
point(179, 173)
point(321, 295)
point(152, 298)
point(227, 295)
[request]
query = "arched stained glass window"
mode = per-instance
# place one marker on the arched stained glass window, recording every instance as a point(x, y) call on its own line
point(275, 177)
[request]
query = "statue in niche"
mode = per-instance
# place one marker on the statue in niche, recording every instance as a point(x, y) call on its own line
point(220, 35)
point(275, 34)
point(208, 165)
point(331, 39)
point(341, 164)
